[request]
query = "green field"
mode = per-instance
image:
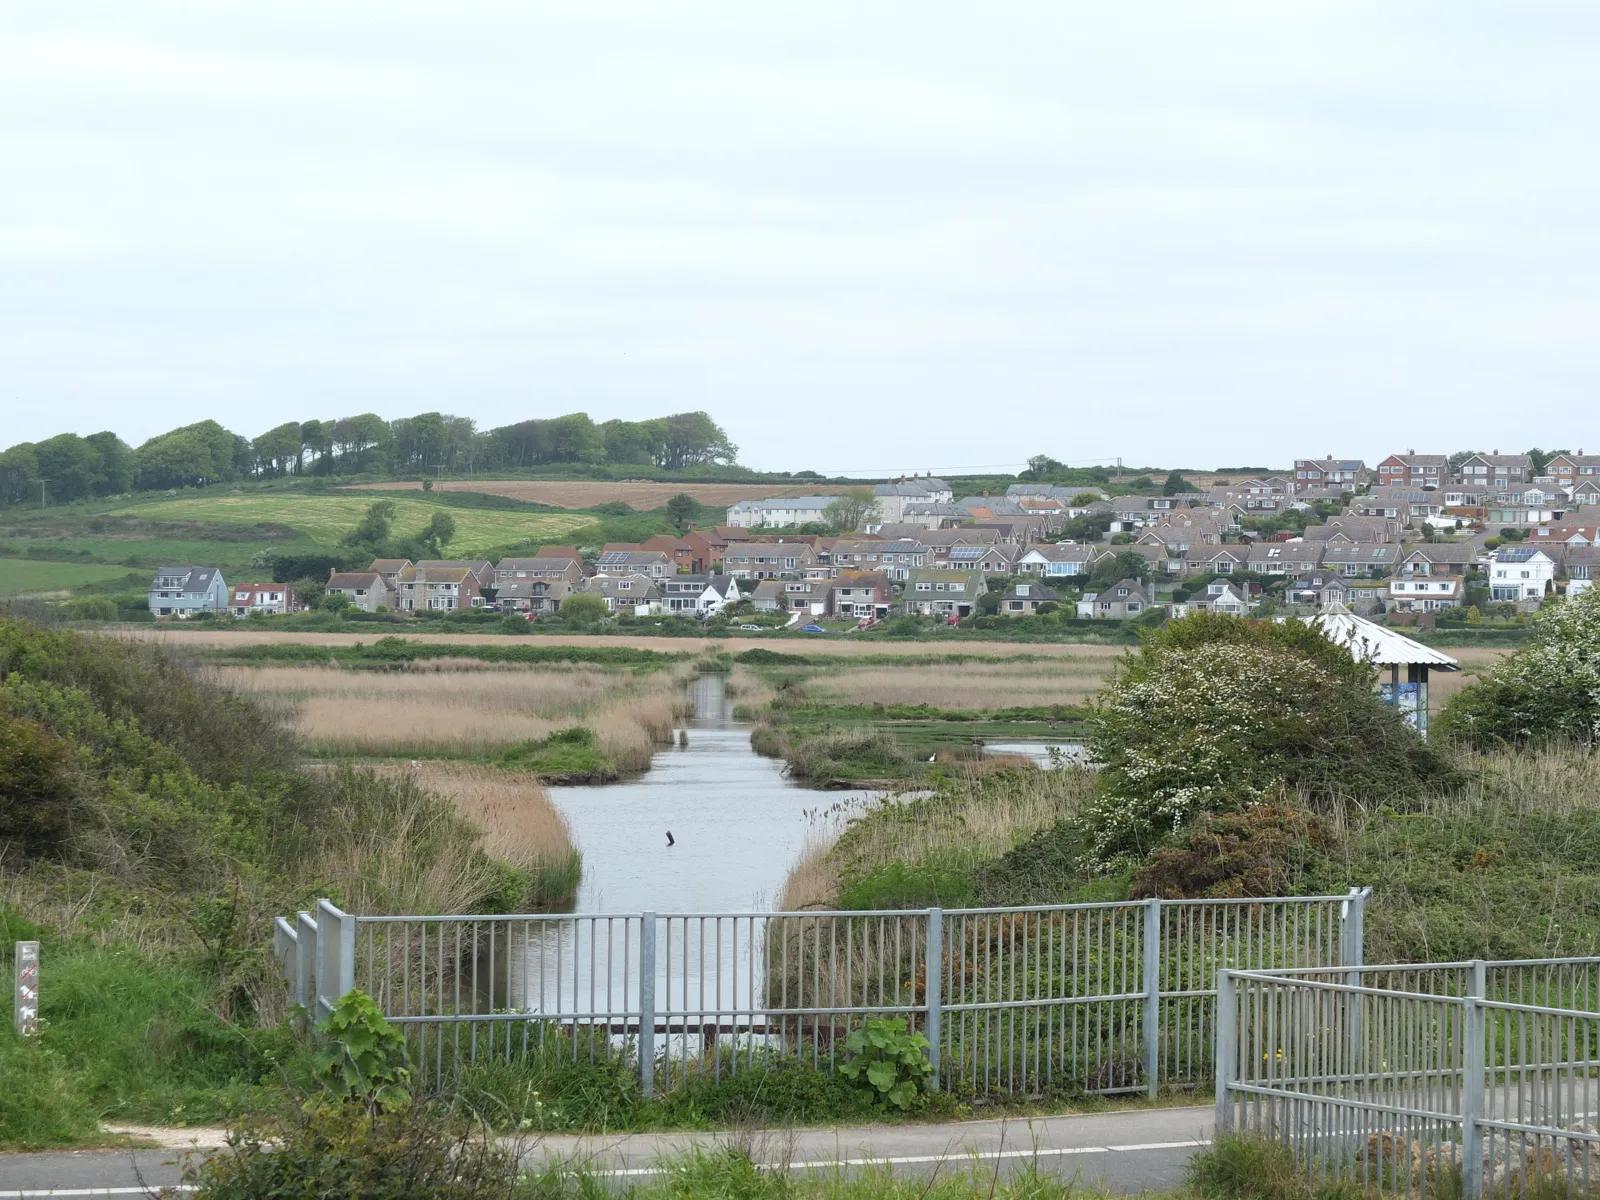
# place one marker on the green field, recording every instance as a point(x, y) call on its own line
point(26, 576)
point(328, 518)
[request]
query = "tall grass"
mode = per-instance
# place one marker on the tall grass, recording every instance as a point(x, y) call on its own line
point(470, 710)
point(519, 824)
point(969, 686)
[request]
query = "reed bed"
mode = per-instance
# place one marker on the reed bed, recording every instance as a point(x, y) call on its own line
point(520, 825)
point(469, 711)
point(968, 686)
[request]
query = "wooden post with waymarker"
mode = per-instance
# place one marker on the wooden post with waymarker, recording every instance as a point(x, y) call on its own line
point(27, 992)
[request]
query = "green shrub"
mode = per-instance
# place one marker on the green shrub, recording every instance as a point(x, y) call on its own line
point(42, 1103)
point(357, 1152)
point(890, 1062)
point(1262, 850)
point(362, 1057)
point(1215, 713)
point(1548, 689)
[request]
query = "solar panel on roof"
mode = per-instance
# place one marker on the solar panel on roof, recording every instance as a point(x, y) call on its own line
point(612, 558)
point(966, 551)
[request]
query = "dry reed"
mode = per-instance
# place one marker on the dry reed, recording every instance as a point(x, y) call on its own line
point(519, 823)
point(470, 711)
point(971, 686)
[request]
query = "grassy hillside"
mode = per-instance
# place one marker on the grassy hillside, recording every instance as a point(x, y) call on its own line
point(22, 576)
point(327, 518)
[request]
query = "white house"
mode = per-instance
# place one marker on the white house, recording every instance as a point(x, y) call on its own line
point(698, 595)
point(269, 599)
point(1520, 573)
point(782, 512)
point(1057, 561)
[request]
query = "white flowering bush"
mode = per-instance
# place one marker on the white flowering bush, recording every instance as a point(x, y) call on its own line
point(1215, 714)
point(1549, 690)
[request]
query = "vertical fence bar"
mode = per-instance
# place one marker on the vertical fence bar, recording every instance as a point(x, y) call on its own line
point(647, 1005)
point(347, 954)
point(1472, 1085)
point(329, 943)
point(1226, 1035)
point(305, 973)
point(932, 960)
point(1152, 996)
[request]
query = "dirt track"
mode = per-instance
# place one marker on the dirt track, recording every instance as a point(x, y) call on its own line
point(643, 495)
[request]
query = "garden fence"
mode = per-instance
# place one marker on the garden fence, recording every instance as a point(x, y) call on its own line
point(1105, 998)
point(1477, 1077)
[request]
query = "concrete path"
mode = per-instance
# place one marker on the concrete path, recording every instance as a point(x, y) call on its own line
point(1123, 1151)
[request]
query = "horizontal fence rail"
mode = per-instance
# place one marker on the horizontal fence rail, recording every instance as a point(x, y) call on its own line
point(1106, 998)
point(1482, 1077)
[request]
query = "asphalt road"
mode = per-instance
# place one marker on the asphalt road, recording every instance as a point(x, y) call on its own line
point(1123, 1151)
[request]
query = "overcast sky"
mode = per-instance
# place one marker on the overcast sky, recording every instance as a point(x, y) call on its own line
point(863, 237)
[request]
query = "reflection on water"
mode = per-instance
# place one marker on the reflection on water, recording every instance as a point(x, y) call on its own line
point(739, 825)
point(1039, 752)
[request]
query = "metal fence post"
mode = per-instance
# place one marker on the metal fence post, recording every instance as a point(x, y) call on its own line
point(933, 988)
point(647, 1005)
point(1152, 996)
point(1353, 919)
point(1472, 1083)
point(335, 976)
point(305, 973)
point(1227, 1047)
point(26, 1000)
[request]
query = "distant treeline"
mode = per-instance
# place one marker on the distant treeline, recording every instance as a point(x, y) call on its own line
point(70, 467)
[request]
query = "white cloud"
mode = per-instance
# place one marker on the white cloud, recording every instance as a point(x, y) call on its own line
point(957, 235)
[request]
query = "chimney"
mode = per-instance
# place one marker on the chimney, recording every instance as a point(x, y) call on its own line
point(1497, 452)
point(1410, 451)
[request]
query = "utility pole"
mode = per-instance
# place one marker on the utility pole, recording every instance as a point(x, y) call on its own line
point(42, 482)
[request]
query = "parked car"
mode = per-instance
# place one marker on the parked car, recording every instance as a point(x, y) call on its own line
point(813, 629)
point(757, 628)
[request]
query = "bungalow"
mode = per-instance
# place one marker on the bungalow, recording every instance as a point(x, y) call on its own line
point(269, 599)
point(1521, 573)
point(994, 559)
point(1215, 560)
point(544, 596)
point(1568, 535)
point(781, 512)
point(1285, 558)
point(1024, 599)
point(1222, 597)
point(943, 593)
point(440, 587)
point(860, 594)
point(1057, 561)
point(1127, 599)
point(1354, 560)
point(482, 569)
point(1439, 558)
point(184, 592)
point(698, 595)
point(634, 594)
point(1425, 593)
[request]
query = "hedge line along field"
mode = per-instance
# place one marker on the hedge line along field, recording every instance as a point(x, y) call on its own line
point(326, 518)
point(642, 495)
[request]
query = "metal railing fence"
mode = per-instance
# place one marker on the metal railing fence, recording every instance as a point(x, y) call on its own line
point(1477, 1076)
point(1114, 997)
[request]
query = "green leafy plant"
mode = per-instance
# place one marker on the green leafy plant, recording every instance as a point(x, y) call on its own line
point(888, 1060)
point(364, 1056)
